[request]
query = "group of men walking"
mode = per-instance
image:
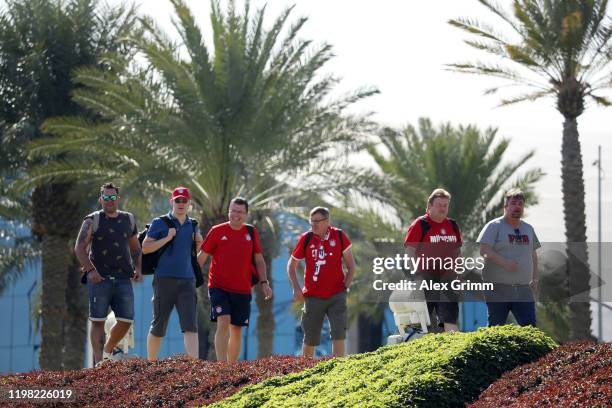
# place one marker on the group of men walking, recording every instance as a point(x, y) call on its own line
point(508, 245)
point(111, 257)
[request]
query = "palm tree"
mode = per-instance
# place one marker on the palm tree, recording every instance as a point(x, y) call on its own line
point(249, 117)
point(41, 42)
point(20, 249)
point(464, 160)
point(563, 50)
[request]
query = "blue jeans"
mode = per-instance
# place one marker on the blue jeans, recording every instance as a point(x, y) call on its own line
point(516, 299)
point(113, 293)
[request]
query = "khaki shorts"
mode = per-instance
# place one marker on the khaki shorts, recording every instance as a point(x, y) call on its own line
point(314, 312)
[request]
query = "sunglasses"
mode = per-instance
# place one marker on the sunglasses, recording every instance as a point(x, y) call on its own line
point(111, 197)
point(180, 200)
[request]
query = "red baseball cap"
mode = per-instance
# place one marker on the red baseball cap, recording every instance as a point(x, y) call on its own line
point(182, 192)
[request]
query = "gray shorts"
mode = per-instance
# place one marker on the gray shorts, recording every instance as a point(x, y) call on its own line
point(314, 312)
point(170, 292)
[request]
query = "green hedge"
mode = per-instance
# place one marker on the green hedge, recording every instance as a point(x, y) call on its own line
point(438, 370)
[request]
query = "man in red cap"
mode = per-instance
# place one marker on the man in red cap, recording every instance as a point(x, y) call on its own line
point(174, 279)
point(235, 250)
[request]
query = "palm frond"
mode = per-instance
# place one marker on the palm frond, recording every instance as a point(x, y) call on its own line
point(526, 97)
point(556, 41)
point(416, 160)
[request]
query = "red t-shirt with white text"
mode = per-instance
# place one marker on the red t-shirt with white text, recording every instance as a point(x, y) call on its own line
point(441, 240)
point(324, 276)
point(231, 266)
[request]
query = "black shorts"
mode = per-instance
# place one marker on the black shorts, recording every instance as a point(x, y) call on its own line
point(444, 302)
point(237, 305)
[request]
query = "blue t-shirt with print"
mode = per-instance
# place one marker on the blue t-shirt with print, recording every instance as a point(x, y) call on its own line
point(175, 261)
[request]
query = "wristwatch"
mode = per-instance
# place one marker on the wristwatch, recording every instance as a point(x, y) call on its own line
point(263, 281)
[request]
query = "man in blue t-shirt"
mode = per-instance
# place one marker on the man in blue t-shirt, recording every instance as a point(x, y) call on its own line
point(174, 279)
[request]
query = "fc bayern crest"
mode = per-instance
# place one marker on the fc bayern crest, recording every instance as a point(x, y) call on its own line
point(443, 231)
point(248, 237)
point(332, 243)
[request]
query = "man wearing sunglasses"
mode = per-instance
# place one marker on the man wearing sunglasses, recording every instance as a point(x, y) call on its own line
point(174, 282)
point(323, 249)
point(109, 252)
point(509, 246)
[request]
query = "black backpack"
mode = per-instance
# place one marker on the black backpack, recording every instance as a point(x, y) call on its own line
point(425, 227)
point(254, 276)
point(197, 270)
point(309, 237)
point(150, 260)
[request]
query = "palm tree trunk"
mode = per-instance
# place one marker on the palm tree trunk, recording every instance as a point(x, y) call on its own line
point(55, 258)
point(265, 319)
point(75, 329)
point(267, 227)
point(206, 328)
point(575, 231)
point(55, 224)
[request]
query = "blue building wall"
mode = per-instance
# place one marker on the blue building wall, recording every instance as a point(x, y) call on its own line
point(19, 339)
point(473, 315)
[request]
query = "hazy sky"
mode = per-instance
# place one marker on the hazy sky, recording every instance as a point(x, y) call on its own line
point(401, 47)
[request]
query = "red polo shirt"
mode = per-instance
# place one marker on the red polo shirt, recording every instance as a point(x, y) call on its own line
point(231, 266)
point(326, 279)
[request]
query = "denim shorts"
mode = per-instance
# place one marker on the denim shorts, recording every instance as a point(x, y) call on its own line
point(113, 293)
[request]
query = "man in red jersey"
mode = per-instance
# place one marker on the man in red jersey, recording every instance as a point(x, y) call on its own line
point(435, 238)
point(234, 247)
point(325, 283)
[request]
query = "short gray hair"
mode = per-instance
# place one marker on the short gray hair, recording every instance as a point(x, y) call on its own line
point(320, 210)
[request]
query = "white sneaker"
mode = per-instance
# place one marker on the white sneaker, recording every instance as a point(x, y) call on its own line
point(116, 354)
